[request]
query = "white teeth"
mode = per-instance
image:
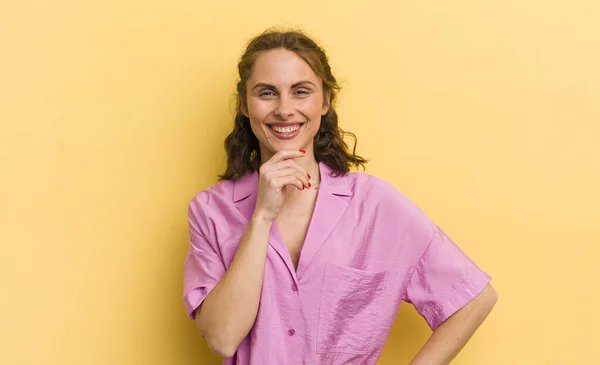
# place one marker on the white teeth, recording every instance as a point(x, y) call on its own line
point(286, 130)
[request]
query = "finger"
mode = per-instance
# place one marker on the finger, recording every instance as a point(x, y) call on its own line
point(286, 180)
point(287, 164)
point(285, 155)
point(299, 171)
point(291, 171)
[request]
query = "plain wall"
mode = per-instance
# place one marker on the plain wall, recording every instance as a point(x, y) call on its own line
point(113, 113)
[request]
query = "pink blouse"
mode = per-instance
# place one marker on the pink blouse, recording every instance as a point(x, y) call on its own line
point(367, 248)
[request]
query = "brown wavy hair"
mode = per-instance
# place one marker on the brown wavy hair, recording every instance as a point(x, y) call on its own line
point(241, 145)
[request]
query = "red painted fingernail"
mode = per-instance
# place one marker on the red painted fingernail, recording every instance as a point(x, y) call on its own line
point(308, 175)
point(309, 184)
point(302, 151)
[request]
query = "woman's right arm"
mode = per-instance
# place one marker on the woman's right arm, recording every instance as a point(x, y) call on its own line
point(229, 311)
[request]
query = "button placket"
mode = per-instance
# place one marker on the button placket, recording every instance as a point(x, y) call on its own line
point(294, 287)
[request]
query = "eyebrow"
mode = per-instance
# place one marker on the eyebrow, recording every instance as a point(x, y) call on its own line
point(299, 83)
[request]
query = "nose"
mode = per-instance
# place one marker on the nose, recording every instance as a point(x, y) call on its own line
point(284, 108)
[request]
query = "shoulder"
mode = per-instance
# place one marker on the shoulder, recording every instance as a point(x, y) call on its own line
point(222, 190)
point(375, 190)
point(215, 198)
point(384, 200)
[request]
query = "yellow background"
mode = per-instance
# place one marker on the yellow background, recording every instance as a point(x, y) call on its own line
point(112, 116)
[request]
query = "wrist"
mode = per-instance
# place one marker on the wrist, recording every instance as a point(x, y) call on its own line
point(262, 218)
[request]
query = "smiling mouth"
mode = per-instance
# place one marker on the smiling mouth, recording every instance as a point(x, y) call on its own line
point(288, 129)
point(285, 131)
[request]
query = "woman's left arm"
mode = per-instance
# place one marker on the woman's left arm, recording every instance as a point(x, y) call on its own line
point(451, 336)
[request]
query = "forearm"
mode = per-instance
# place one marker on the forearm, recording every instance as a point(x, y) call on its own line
point(451, 336)
point(228, 313)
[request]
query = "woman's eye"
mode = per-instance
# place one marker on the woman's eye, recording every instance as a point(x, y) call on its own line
point(266, 93)
point(302, 92)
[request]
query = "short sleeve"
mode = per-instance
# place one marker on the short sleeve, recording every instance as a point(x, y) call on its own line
point(203, 266)
point(444, 280)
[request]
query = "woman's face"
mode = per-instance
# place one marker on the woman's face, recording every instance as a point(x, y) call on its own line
point(284, 102)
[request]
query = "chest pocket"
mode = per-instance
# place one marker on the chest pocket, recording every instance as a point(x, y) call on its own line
point(350, 316)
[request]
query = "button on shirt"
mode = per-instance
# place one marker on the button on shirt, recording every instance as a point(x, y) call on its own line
point(367, 249)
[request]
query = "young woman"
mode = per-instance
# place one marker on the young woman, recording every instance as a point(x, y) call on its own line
point(295, 260)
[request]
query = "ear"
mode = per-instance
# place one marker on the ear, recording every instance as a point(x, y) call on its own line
point(326, 102)
point(244, 110)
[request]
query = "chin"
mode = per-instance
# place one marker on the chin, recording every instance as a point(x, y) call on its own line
point(272, 148)
point(288, 147)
